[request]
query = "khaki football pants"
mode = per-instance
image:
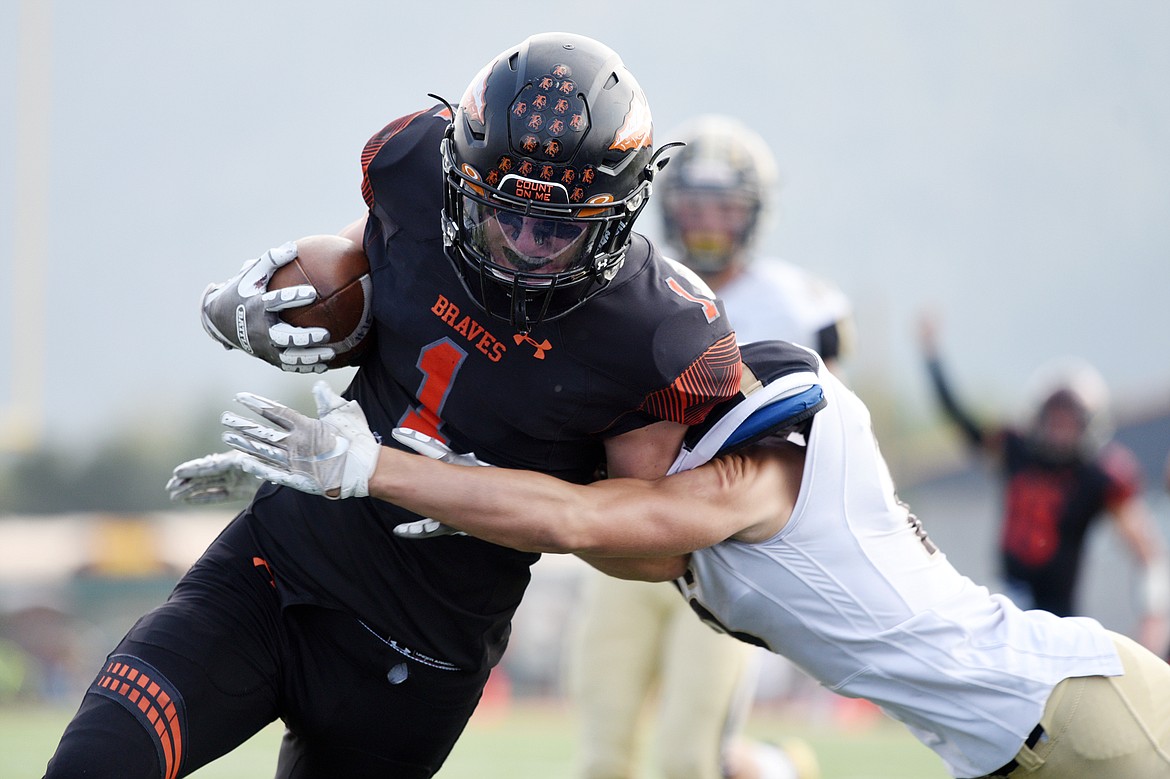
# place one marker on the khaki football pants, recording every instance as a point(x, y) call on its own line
point(638, 638)
point(1099, 727)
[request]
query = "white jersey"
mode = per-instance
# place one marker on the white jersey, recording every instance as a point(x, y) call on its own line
point(854, 593)
point(774, 299)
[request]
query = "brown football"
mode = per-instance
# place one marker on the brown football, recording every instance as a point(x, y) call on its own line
point(338, 269)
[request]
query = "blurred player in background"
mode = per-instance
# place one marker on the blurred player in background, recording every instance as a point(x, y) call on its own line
point(798, 543)
point(639, 639)
point(1061, 472)
point(516, 313)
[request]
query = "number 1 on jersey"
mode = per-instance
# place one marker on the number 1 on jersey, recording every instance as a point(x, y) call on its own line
point(438, 362)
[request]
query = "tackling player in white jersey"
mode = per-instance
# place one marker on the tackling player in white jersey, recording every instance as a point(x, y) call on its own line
point(636, 641)
point(804, 549)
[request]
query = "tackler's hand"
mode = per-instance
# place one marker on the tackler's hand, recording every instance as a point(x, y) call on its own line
point(436, 450)
point(241, 313)
point(333, 455)
point(214, 478)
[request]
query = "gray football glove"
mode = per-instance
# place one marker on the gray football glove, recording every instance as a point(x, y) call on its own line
point(212, 479)
point(436, 450)
point(333, 455)
point(242, 314)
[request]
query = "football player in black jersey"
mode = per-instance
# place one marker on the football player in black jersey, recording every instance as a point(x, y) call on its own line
point(516, 314)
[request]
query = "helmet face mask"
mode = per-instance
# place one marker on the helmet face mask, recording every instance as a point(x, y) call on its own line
point(716, 193)
point(546, 167)
point(712, 226)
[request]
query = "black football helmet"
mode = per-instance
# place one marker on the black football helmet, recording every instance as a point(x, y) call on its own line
point(723, 160)
point(547, 163)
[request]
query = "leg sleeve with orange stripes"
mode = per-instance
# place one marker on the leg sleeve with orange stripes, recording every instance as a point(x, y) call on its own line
point(135, 686)
point(106, 738)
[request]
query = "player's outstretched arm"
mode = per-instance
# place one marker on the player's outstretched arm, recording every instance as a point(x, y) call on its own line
point(1135, 523)
point(747, 496)
point(973, 431)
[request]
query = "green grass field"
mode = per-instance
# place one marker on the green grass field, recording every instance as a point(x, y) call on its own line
point(527, 741)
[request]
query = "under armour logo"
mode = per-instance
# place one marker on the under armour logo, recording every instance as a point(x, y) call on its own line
point(260, 562)
point(540, 346)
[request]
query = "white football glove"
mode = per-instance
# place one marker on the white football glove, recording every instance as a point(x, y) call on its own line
point(436, 450)
point(212, 479)
point(334, 455)
point(242, 314)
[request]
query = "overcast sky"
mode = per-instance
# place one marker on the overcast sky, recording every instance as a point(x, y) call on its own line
point(1006, 163)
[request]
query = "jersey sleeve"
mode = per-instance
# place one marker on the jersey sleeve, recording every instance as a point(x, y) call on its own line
point(401, 177)
point(657, 345)
point(829, 340)
point(705, 383)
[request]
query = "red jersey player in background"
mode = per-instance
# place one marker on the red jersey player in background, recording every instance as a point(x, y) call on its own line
point(1061, 472)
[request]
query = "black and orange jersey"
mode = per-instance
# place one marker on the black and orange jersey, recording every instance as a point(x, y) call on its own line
point(1049, 503)
point(1049, 508)
point(649, 347)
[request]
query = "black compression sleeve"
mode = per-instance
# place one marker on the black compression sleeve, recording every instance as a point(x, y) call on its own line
point(956, 413)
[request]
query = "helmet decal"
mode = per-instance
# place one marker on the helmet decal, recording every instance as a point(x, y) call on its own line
point(596, 200)
point(637, 129)
point(473, 100)
point(544, 110)
point(530, 189)
point(472, 175)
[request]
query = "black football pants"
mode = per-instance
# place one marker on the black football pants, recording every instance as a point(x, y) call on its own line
point(220, 660)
